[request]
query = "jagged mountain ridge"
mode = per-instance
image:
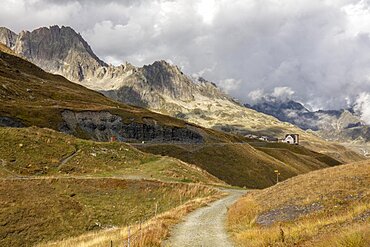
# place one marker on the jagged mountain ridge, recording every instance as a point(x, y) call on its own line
point(152, 85)
point(343, 125)
point(61, 50)
point(160, 86)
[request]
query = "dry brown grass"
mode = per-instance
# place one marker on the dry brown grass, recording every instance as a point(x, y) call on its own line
point(244, 165)
point(35, 151)
point(4, 48)
point(38, 210)
point(336, 203)
point(354, 236)
point(149, 233)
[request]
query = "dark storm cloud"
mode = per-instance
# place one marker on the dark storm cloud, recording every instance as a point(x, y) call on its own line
point(320, 50)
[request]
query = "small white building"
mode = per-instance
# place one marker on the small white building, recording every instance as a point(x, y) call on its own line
point(263, 138)
point(291, 139)
point(250, 136)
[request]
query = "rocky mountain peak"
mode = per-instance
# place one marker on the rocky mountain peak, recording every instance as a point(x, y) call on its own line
point(7, 37)
point(168, 80)
point(59, 50)
point(53, 43)
point(164, 68)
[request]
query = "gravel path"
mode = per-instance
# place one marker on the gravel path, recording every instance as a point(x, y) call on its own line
point(205, 227)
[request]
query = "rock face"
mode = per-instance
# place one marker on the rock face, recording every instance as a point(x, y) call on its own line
point(8, 37)
point(58, 50)
point(10, 122)
point(342, 125)
point(101, 126)
point(160, 86)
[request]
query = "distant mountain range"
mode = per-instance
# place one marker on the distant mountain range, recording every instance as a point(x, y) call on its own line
point(343, 125)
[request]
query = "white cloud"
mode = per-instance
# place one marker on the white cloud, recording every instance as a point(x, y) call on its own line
point(229, 84)
point(207, 9)
point(203, 71)
point(358, 15)
point(282, 93)
point(362, 106)
point(276, 94)
point(256, 95)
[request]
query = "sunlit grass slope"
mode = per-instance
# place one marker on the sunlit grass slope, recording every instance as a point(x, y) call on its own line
point(38, 210)
point(44, 152)
point(329, 207)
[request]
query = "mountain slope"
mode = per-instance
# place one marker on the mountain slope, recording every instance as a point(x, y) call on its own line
point(242, 164)
point(159, 86)
point(59, 154)
point(329, 207)
point(58, 50)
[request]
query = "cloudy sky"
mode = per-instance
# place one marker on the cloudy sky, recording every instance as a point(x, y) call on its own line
point(317, 52)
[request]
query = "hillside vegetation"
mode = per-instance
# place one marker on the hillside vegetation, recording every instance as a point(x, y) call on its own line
point(243, 165)
point(54, 186)
point(35, 151)
point(37, 210)
point(329, 207)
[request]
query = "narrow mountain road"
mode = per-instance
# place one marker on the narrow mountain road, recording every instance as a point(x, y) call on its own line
point(205, 227)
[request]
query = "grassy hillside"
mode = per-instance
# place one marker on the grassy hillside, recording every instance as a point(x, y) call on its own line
point(36, 151)
point(44, 209)
point(150, 233)
point(329, 207)
point(242, 165)
point(54, 186)
point(231, 117)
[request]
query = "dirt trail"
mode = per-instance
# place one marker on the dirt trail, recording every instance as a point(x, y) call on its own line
point(205, 227)
point(66, 159)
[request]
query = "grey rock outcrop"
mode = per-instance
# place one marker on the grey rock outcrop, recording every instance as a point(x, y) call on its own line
point(159, 86)
point(101, 126)
point(8, 37)
point(10, 122)
point(59, 50)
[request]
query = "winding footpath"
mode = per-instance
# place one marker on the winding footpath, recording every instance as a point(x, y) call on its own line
point(205, 227)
